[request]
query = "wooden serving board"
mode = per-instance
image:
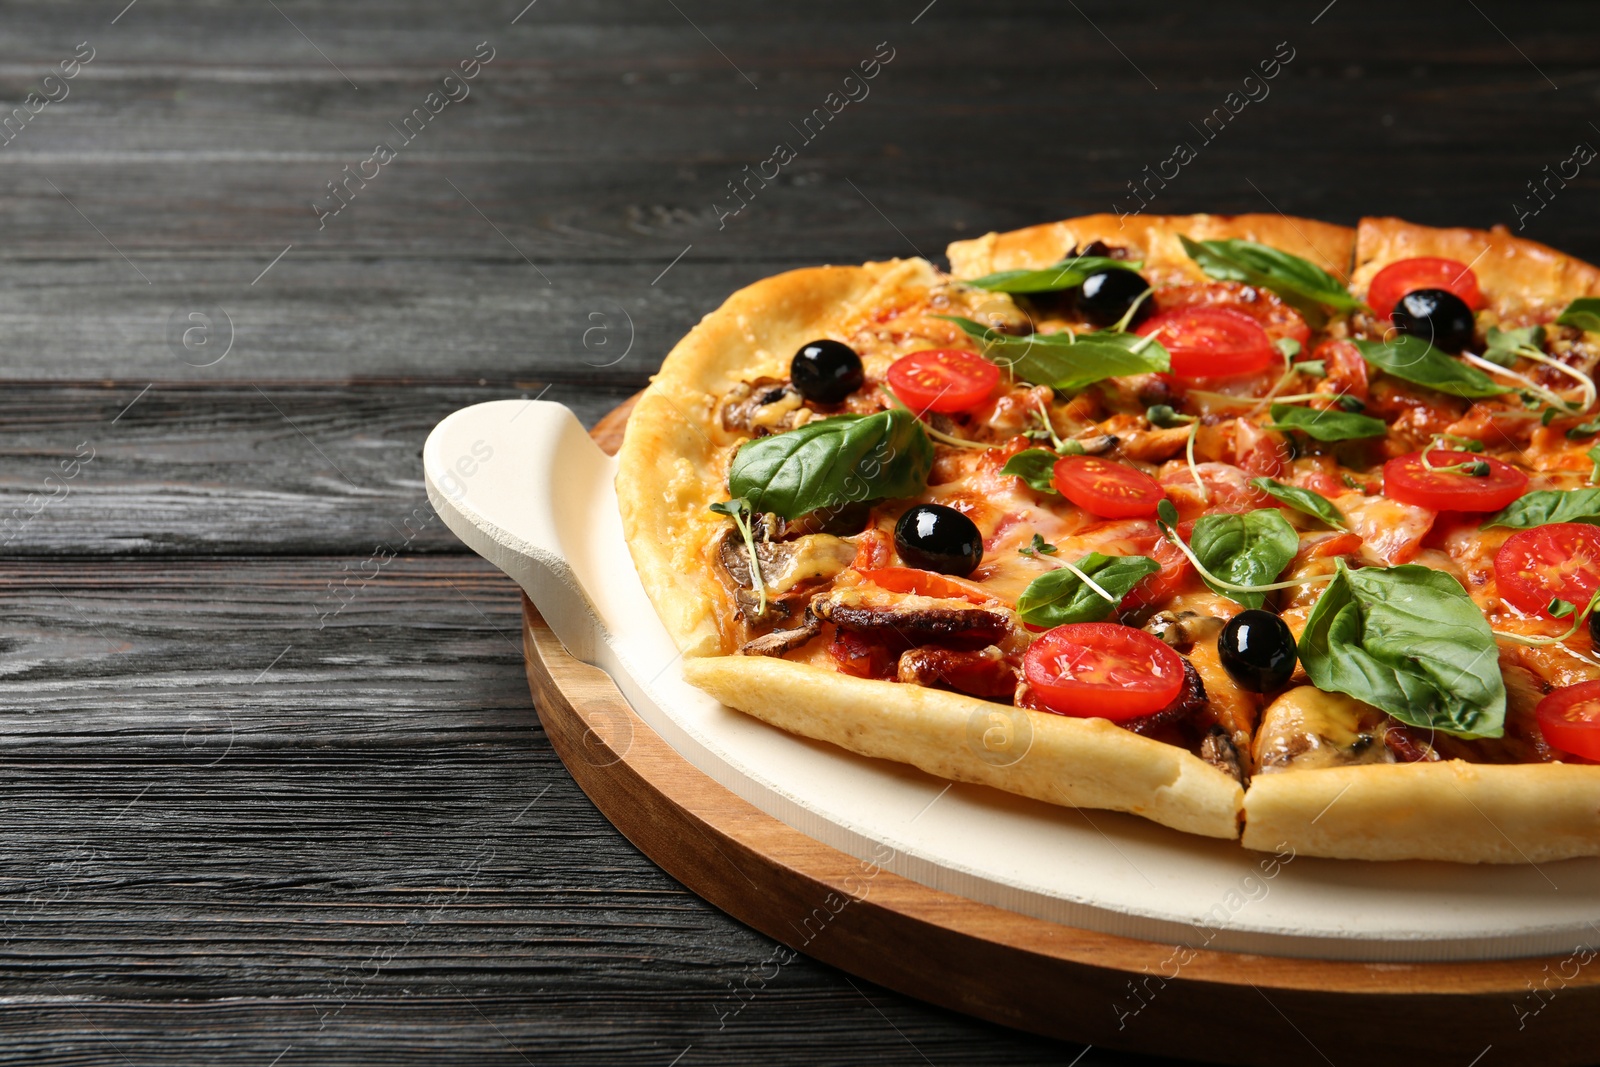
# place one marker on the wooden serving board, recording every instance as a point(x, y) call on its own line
point(1029, 973)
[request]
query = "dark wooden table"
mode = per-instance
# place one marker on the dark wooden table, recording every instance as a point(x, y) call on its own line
point(271, 796)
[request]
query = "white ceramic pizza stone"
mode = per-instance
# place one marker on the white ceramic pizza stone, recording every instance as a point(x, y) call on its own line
point(522, 484)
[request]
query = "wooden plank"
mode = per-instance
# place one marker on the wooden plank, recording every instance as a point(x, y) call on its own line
point(830, 209)
point(331, 318)
point(241, 143)
point(372, 823)
point(117, 469)
point(603, 1024)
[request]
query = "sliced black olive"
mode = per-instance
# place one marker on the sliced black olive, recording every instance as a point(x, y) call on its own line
point(933, 537)
point(1106, 296)
point(826, 372)
point(1257, 650)
point(1437, 316)
point(1594, 628)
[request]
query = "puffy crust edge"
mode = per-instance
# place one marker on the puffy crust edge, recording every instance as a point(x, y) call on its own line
point(1329, 246)
point(1085, 763)
point(1451, 810)
point(667, 472)
point(1520, 278)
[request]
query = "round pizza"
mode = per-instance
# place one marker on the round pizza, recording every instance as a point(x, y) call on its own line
point(1255, 526)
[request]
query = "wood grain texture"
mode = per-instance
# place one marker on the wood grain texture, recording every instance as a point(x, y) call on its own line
point(277, 467)
point(316, 895)
point(321, 316)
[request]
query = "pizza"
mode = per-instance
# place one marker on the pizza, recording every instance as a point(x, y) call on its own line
point(1258, 527)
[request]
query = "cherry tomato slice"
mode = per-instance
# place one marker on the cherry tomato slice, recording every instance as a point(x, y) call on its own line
point(1102, 670)
point(1212, 342)
point(945, 380)
point(1407, 481)
point(1424, 272)
point(1569, 718)
point(1164, 584)
point(925, 583)
point(1560, 560)
point(1263, 305)
point(1109, 490)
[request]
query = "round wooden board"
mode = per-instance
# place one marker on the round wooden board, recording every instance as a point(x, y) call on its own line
point(1173, 1000)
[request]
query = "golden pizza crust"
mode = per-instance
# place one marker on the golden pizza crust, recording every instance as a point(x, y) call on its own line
point(670, 471)
point(1155, 239)
point(667, 469)
point(1085, 763)
point(1520, 279)
point(1453, 810)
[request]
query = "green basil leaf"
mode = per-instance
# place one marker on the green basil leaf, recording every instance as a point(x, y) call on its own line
point(1583, 429)
point(1584, 313)
point(1060, 597)
point(1326, 425)
point(833, 462)
point(1067, 274)
point(1503, 344)
point(1065, 362)
point(1248, 549)
point(1549, 505)
point(1408, 640)
point(1415, 360)
point(1303, 500)
point(1035, 467)
point(1299, 281)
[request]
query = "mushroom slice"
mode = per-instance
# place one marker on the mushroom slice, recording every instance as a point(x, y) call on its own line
point(1306, 727)
point(786, 564)
point(1218, 750)
point(780, 641)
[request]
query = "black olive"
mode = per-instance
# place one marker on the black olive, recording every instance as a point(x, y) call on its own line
point(1438, 316)
point(1594, 629)
point(933, 537)
point(1106, 296)
point(1257, 650)
point(826, 371)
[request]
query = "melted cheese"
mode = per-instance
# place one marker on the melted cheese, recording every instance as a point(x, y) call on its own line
point(1393, 532)
point(1306, 727)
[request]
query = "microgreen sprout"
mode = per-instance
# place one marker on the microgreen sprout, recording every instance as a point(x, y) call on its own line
point(738, 509)
point(1560, 609)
